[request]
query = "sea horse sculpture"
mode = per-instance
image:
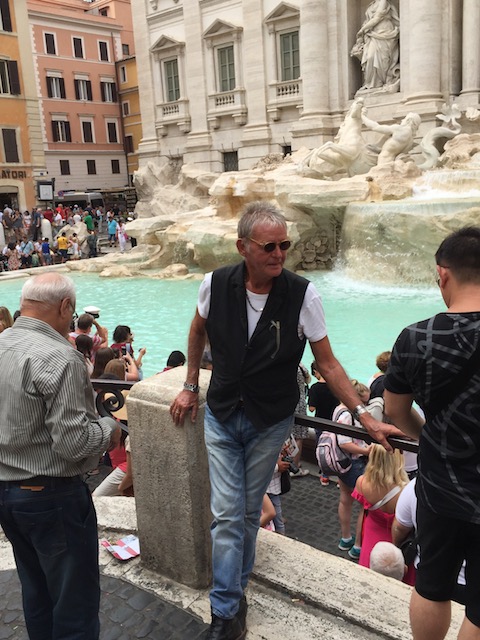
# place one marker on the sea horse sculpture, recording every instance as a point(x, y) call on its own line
point(348, 153)
point(449, 115)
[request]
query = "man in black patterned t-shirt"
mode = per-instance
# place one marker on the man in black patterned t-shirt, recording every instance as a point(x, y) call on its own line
point(435, 363)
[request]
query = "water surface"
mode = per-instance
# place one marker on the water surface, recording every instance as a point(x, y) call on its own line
point(362, 319)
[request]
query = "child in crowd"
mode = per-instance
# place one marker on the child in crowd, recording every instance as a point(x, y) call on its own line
point(46, 256)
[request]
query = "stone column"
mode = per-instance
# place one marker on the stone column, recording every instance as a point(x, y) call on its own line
point(471, 49)
point(421, 34)
point(314, 65)
point(256, 133)
point(149, 147)
point(172, 488)
point(199, 140)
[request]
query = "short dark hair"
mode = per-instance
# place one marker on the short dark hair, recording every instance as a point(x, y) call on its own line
point(460, 252)
point(121, 333)
point(84, 321)
point(176, 359)
point(84, 344)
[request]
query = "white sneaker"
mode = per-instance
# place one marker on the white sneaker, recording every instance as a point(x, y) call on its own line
point(300, 473)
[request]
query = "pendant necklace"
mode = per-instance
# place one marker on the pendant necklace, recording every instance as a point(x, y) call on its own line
point(251, 305)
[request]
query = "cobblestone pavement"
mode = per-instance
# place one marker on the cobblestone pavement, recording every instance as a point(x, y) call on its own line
point(310, 511)
point(129, 613)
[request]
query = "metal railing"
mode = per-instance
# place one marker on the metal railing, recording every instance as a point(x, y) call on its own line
point(110, 399)
point(352, 431)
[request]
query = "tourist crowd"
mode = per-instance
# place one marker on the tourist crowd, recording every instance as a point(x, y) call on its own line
point(26, 246)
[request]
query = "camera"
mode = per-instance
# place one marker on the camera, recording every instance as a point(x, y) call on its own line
point(124, 350)
point(293, 467)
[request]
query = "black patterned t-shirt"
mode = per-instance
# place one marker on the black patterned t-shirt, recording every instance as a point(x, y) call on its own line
point(426, 359)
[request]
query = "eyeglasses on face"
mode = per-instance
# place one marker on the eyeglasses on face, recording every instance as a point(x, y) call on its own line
point(268, 247)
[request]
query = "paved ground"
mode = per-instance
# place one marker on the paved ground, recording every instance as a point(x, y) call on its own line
point(129, 613)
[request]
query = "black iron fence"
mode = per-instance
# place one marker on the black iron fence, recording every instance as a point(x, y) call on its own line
point(110, 399)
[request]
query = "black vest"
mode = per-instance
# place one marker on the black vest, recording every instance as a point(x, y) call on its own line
point(261, 372)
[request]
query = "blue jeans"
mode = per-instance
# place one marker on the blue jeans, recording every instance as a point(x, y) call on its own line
point(53, 531)
point(241, 462)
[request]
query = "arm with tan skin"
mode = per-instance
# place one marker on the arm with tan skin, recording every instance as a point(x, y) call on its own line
point(351, 447)
point(339, 384)
point(399, 532)
point(141, 353)
point(187, 401)
point(125, 488)
point(398, 407)
point(131, 374)
point(102, 332)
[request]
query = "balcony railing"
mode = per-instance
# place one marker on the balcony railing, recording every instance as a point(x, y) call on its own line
point(282, 95)
point(227, 103)
point(176, 112)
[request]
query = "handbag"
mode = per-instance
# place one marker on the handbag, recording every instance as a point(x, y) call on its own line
point(409, 547)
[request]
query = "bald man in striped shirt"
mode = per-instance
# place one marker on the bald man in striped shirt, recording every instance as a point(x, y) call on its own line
point(49, 437)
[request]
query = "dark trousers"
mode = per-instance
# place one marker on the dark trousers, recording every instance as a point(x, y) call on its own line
point(52, 527)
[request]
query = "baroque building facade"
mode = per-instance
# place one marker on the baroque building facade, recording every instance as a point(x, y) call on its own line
point(226, 82)
point(22, 160)
point(75, 48)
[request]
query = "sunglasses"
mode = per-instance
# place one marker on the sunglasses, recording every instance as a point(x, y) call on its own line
point(268, 247)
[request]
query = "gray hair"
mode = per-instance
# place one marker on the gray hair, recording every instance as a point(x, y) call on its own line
point(387, 559)
point(49, 288)
point(259, 212)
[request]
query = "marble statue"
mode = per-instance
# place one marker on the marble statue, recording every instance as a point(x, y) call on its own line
point(377, 46)
point(429, 142)
point(348, 153)
point(400, 138)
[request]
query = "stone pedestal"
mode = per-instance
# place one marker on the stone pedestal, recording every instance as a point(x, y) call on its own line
point(172, 489)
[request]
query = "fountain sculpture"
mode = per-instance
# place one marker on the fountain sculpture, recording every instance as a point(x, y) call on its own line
point(187, 217)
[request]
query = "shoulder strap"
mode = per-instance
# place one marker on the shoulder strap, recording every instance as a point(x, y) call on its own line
point(391, 494)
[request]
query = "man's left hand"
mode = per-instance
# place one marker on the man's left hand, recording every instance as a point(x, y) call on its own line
point(380, 431)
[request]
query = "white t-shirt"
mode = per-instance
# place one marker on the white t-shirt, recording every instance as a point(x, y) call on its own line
point(406, 514)
point(311, 321)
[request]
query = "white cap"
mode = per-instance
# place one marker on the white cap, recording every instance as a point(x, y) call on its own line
point(94, 311)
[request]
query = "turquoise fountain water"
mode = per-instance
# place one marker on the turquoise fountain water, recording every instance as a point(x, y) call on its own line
point(362, 319)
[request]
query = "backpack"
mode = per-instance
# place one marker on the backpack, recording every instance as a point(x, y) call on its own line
point(332, 460)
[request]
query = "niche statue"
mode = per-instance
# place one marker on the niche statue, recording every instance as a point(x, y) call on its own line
point(377, 47)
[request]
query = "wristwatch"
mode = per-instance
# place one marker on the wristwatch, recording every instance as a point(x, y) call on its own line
point(359, 410)
point(189, 386)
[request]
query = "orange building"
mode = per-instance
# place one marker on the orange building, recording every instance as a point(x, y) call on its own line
point(22, 160)
point(76, 45)
point(131, 116)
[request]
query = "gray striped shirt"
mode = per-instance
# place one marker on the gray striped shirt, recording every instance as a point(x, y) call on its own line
point(48, 424)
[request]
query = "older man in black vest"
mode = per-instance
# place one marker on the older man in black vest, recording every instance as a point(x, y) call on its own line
point(258, 317)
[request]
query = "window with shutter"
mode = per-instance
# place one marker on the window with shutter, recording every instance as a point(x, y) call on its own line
point(10, 145)
point(65, 167)
point(78, 48)
point(9, 78)
point(50, 44)
point(87, 131)
point(5, 19)
point(103, 51)
point(112, 131)
point(14, 77)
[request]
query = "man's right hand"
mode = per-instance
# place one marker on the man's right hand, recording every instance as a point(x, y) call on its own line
point(185, 402)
